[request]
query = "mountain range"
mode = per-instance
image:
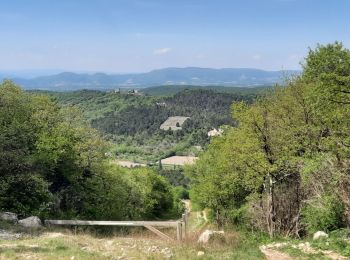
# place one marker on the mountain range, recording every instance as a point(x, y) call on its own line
point(238, 77)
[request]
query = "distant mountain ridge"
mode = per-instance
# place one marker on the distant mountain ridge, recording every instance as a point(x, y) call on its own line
point(242, 77)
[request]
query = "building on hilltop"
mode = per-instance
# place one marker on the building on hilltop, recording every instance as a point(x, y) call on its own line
point(215, 132)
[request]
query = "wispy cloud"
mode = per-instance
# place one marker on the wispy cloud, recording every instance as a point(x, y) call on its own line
point(256, 57)
point(161, 51)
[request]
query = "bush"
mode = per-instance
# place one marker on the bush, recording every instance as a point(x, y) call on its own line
point(25, 195)
point(180, 193)
point(337, 242)
point(239, 216)
point(323, 213)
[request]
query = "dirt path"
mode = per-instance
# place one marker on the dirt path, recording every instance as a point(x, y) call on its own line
point(272, 254)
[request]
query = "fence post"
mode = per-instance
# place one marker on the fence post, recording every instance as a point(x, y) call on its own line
point(184, 222)
point(179, 230)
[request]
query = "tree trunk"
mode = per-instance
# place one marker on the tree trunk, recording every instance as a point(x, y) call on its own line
point(270, 208)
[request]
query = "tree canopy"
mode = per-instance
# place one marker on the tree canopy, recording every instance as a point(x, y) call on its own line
point(53, 164)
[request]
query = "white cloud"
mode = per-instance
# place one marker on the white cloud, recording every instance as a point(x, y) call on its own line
point(161, 51)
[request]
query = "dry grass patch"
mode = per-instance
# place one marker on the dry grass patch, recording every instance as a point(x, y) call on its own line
point(65, 245)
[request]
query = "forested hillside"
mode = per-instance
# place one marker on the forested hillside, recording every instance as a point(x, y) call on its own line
point(167, 90)
point(132, 122)
point(285, 168)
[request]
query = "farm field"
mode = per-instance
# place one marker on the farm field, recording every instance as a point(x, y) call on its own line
point(179, 160)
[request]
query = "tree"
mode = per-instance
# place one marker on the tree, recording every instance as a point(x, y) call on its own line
point(289, 147)
point(328, 67)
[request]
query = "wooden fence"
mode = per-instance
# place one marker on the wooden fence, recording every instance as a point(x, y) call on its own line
point(180, 225)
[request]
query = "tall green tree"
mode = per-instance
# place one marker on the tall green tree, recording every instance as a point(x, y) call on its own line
point(289, 146)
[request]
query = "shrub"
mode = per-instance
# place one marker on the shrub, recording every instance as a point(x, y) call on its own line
point(323, 213)
point(239, 216)
point(180, 193)
point(25, 195)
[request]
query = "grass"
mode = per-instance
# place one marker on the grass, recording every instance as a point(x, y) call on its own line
point(140, 244)
point(85, 246)
point(137, 244)
point(300, 254)
point(338, 241)
point(247, 247)
point(46, 248)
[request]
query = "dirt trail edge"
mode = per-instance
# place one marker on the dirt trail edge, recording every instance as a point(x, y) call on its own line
point(272, 254)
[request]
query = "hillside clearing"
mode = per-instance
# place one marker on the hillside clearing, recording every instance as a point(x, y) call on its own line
point(129, 164)
point(174, 123)
point(179, 160)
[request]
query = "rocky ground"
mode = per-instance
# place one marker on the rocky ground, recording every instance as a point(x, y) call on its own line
point(8, 235)
point(85, 246)
point(18, 241)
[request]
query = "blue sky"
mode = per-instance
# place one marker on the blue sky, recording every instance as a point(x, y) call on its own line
point(141, 35)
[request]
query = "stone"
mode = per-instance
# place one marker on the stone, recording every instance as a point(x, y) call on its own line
point(200, 253)
point(7, 235)
point(320, 235)
point(205, 237)
point(31, 222)
point(9, 216)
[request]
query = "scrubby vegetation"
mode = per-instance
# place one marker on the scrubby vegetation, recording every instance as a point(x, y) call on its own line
point(53, 164)
point(285, 168)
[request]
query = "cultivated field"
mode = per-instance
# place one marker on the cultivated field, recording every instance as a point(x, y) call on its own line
point(179, 160)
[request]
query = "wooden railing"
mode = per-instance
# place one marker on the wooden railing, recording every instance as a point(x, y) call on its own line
point(180, 225)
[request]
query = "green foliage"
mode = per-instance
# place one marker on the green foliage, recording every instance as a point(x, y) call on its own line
point(328, 67)
point(214, 181)
point(323, 213)
point(180, 193)
point(240, 92)
point(176, 176)
point(25, 194)
point(247, 245)
point(132, 122)
point(53, 164)
point(151, 194)
point(296, 133)
point(337, 242)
